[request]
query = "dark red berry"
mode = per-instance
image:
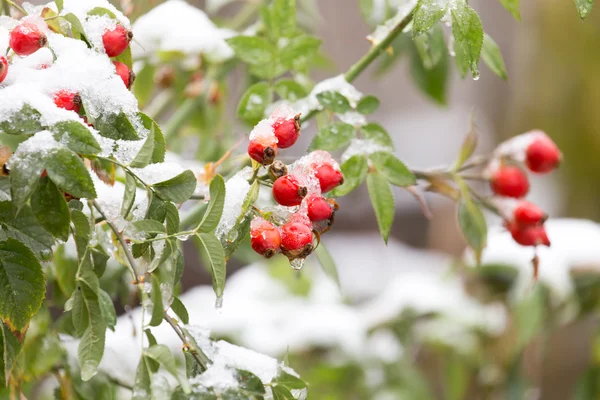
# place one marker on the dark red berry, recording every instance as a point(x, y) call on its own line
point(288, 192)
point(510, 181)
point(329, 177)
point(534, 235)
point(319, 209)
point(68, 100)
point(264, 237)
point(261, 152)
point(125, 73)
point(287, 131)
point(542, 155)
point(296, 240)
point(27, 38)
point(116, 40)
point(3, 68)
point(526, 213)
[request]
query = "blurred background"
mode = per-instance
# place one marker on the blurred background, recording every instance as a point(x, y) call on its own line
point(413, 320)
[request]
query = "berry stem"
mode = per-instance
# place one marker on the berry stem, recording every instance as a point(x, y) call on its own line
point(198, 354)
point(15, 5)
point(6, 8)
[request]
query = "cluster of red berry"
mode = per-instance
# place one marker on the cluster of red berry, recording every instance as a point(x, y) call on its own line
point(299, 186)
point(27, 38)
point(508, 179)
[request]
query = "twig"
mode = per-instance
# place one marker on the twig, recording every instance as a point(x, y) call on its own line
point(198, 355)
point(15, 5)
point(137, 275)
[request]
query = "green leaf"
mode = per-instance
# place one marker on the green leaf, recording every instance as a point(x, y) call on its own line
point(149, 226)
point(289, 381)
point(177, 189)
point(51, 209)
point(493, 57)
point(433, 81)
point(101, 11)
point(393, 169)
point(4, 188)
point(157, 302)
point(468, 34)
point(164, 357)
point(160, 146)
point(254, 102)
point(76, 136)
point(179, 309)
point(468, 147)
point(144, 156)
point(172, 219)
point(584, 7)
point(382, 200)
point(116, 127)
point(368, 105)
point(79, 313)
point(250, 384)
point(299, 50)
point(26, 229)
point(241, 229)
point(142, 386)
point(472, 226)
point(432, 47)
point(355, 171)
point(128, 195)
point(333, 137)
point(143, 85)
point(22, 284)
point(24, 121)
point(216, 258)
point(59, 5)
point(513, 7)
point(290, 90)
point(107, 309)
point(456, 377)
point(76, 27)
point(427, 14)
point(252, 50)
point(334, 101)
point(25, 175)
point(377, 134)
point(11, 349)
point(69, 173)
point(284, 17)
point(126, 58)
point(327, 263)
point(213, 213)
point(281, 393)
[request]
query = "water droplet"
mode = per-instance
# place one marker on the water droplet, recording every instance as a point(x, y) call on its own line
point(476, 75)
point(219, 303)
point(451, 46)
point(183, 238)
point(297, 263)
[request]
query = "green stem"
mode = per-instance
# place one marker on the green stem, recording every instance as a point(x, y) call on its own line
point(355, 70)
point(6, 7)
point(15, 5)
point(184, 233)
point(181, 116)
point(198, 355)
point(380, 47)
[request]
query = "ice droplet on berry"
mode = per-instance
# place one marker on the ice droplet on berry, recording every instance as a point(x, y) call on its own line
point(298, 263)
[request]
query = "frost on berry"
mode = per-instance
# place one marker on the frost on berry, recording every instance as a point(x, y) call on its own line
point(68, 100)
point(263, 143)
point(542, 155)
point(286, 126)
point(296, 240)
point(116, 40)
point(3, 68)
point(288, 191)
point(27, 38)
point(264, 237)
point(126, 75)
point(510, 181)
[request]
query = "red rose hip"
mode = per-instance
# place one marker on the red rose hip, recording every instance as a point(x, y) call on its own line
point(261, 152)
point(329, 177)
point(542, 155)
point(27, 38)
point(287, 131)
point(510, 181)
point(319, 209)
point(530, 235)
point(296, 240)
point(125, 73)
point(116, 40)
point(68, 100)
point(526, 213)
point(3, 68)
point(264, 237)
point(288, 192)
